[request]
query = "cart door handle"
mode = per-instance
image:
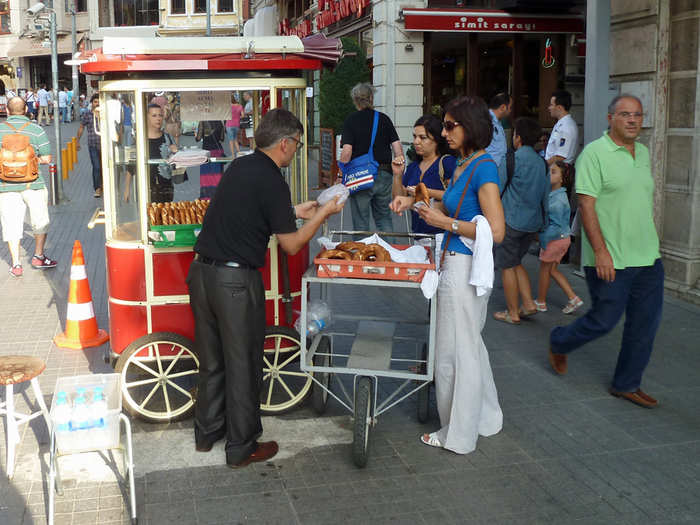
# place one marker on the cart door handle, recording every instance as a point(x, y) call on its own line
point(97, 218)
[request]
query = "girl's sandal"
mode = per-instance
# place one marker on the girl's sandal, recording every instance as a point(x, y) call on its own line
point(505, 317)
point(431, 440)
point(541, 307)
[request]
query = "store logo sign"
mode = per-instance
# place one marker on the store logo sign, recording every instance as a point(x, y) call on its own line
point(483, 23)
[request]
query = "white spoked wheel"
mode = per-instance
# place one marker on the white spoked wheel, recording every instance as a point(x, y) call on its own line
point(159, 377)
point(284, 384)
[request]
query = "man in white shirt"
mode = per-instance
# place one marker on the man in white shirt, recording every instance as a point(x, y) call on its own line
point(43, 98)
point(563, 142)
point(62, 104)
point(500, 106)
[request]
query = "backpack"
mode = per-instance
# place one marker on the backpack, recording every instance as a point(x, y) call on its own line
point(18, 160)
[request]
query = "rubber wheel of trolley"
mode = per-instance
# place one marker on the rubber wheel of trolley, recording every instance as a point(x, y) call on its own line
point(284, 383)
point(319, 395)
point(362, 421)
point(159, 377)
point(423, 395)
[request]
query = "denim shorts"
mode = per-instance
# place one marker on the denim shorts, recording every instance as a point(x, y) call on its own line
point(511, 251)
point(231, 132)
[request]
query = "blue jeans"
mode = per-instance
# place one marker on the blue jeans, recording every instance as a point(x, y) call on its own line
point(377, 198)
point(96, 160)
point(62, 112)
point(636, 292)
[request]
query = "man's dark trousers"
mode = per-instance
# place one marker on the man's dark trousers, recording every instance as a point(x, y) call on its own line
point(96, 161)
point(637, 292)
point(229, 312)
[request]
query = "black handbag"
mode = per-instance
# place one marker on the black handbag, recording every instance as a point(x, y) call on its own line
point(246, 122)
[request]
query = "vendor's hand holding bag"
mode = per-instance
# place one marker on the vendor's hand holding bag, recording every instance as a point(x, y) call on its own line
point(358, 174)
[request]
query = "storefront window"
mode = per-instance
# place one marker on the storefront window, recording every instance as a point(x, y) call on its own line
point(121, 137)
point(80, 6)
point(132, 13)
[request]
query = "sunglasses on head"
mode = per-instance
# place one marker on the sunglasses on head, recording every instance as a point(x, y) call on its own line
point(450, 124)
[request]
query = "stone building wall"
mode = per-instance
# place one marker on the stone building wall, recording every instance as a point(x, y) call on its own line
point(654, 53)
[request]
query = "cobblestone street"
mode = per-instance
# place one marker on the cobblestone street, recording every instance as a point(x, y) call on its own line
point(569, 453)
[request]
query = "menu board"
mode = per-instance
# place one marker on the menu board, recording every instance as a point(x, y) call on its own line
point(327, 167)
point(205, 105)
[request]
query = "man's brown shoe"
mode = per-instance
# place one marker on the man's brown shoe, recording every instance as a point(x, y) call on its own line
point(265, 451)
point(638, 398)
point(558, 362)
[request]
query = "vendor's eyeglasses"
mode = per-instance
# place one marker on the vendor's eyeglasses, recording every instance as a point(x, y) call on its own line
point(450, 124)
point(300, 144)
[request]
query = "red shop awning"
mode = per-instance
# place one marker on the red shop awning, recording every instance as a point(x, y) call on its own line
point(488, 21)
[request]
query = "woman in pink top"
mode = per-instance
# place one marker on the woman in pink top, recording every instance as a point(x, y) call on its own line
point(233, 125)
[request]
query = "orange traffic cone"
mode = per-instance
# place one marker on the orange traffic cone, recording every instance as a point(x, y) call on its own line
point(81, 324)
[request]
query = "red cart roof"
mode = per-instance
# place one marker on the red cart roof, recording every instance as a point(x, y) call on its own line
point(208, 54)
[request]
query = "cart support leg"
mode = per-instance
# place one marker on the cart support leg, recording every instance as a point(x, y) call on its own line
point(130, 459)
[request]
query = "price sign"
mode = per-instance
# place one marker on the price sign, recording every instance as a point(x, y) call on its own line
point(327, 167)
point(205, 105)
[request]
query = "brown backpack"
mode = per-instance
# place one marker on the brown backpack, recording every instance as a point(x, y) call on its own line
point(18, 160)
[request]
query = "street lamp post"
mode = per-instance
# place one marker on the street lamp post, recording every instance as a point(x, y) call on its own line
point(74, 68)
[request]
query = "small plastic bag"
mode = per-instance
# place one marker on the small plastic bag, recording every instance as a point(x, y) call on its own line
point(330, 193)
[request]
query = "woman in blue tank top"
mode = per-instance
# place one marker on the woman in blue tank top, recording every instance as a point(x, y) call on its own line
point(465, 390)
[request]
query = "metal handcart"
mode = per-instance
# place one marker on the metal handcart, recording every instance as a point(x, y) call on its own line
point(107, 437)
point(374, 354)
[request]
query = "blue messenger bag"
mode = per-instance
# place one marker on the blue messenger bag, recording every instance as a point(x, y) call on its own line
point(358, 174)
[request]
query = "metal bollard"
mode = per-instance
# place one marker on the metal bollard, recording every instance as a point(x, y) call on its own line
point(53, 176)
point(73, 152)
point(64, 163)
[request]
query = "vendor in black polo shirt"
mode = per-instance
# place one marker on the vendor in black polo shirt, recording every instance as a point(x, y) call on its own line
point(227, 295)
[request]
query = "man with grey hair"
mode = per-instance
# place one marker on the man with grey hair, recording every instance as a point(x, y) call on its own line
point(227, 295)
point(356, 139)
point(620, 251)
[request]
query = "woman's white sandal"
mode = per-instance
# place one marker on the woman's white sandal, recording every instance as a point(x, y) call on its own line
point(432, 440)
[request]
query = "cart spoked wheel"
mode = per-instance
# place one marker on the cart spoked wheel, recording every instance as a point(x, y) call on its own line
point(159, 377)
point(319, 395)
point(423, 395)
point(284, 384)
point(362, 423)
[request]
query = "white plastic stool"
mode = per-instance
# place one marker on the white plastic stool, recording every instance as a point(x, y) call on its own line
point(16, 369)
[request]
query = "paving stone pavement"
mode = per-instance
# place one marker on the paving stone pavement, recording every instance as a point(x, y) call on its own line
point(568, 452)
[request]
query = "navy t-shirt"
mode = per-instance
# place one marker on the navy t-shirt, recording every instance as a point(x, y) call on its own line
point(431, 178)
point(485, 172)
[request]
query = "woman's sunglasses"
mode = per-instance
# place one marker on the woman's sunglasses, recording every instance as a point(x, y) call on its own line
point(450, 124)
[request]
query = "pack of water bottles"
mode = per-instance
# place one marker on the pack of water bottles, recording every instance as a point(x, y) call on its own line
point(85, 412)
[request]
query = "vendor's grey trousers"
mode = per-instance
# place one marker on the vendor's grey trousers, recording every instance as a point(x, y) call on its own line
point(466, 395)
point(229, 312)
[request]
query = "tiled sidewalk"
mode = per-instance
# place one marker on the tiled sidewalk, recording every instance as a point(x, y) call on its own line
point(568, 453)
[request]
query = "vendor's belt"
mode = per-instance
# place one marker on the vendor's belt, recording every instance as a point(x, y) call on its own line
point(229, 264)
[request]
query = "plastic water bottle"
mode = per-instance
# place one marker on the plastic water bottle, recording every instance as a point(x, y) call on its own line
point(98, 407)
point(62, 412)
point(80, 416)
point(318, 317)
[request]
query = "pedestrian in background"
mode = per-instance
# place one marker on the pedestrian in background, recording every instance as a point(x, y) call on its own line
point(621, 255)
point(465, 391)
point(63, 105)
point(43, 98)
point(233, 126)
point(211, 133)
point(500, 107)
point(355, 141)
point(16, 197)
point(433, 167)
point(525, 195)
point(30, 99)
point(563, 141)
point(87, 122)
point(555, 240)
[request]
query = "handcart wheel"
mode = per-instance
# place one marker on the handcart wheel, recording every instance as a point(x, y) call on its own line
point(423, 395)
point(319, 394)
point(159, 377)
point(284, 385)
point(362, 422)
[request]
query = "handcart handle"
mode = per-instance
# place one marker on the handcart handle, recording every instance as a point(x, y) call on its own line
point(97, 218)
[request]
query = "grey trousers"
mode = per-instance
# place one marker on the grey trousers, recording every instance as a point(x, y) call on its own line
point(377, 200)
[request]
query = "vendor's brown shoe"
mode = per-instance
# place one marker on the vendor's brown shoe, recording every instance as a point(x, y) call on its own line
point(265, 451)
point(558, 362)
point(638, 398)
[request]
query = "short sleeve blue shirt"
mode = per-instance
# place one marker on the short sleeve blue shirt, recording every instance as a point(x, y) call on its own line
point(431, 178)
point(486, 172)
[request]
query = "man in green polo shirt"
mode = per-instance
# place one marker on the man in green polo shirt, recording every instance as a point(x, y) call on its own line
point(16, 197)
point(620, 251)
